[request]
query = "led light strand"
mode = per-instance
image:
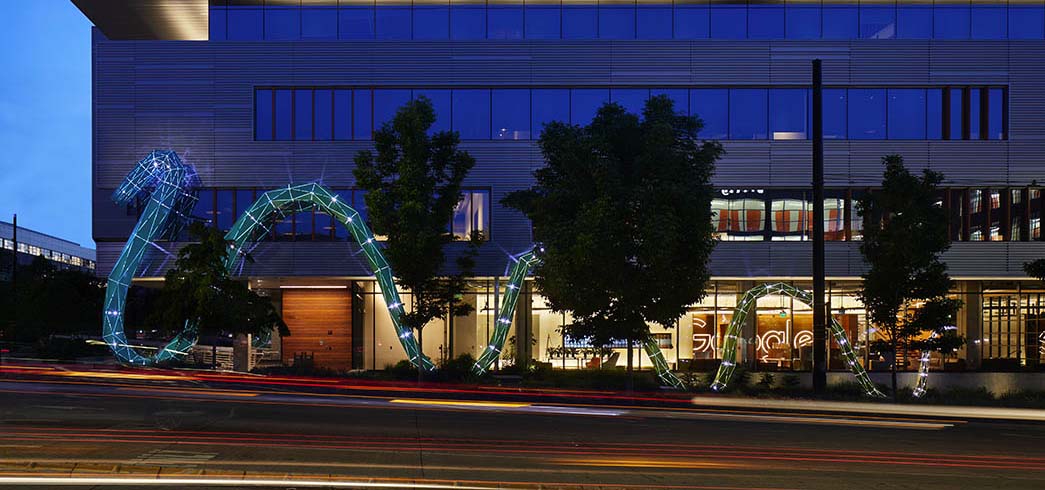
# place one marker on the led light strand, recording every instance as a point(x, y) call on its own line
point(923, 365)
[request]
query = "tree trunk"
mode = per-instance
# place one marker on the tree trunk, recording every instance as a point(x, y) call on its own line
point(630, 383)
point(420, 357)
point(896, 352)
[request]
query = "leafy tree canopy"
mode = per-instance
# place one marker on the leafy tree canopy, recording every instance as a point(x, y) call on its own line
point(623, 211)
point(50, 301)
point(1035, 269)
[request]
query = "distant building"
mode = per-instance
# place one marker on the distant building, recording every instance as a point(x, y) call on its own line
point(31, 244)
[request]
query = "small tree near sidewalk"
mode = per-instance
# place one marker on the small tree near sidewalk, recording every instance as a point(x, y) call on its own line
point(905, 289)
point(413, 181)
point(199, 287)
point(623, 211)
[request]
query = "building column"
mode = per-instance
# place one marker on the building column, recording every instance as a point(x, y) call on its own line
point(972, 314)
point(524, 324)
point(746, 342)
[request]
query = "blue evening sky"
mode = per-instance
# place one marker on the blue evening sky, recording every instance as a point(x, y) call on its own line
point(45, 118)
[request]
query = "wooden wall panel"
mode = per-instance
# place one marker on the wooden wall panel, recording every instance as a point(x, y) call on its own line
point(320, 322)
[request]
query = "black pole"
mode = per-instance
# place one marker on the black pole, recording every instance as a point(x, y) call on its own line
point(819, 313)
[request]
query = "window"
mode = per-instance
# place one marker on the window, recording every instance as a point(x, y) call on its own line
point(632, 99)
point(653, 21)
point(319, 23)
point(356, 21)
point(712, 107)
point(951, 20)
point(432, 21)
point(504, 21)
point(679, 96)
point(472, 215)
point(467, 21)
point(747, 114)
point(738, 218)
point(906, 116)
point(579, 21)
point(245, 23)
point(263, 115)
point(729, 20)
point(471, 114)
point(303, 114)
point(345, 196)
point(840, 21)
point(218, 24)
point(585, 102)
point(802, 20)
point(510, 114)
point(284, 114)
point(393, 22)
point(835, 114)
point(542, 21)
point(954, 105)
point(692, 20)
point(787, 114)
point(282, 23)
point(867, 114)
point(989, 22)
point(224, 211)
point(974, 114)
point(934, 113)
point(244, 200)
point(386, 103)
point(791, 218)
point(616, 21)
point(342, 114)
point(877, 21)
point(441, 104)
point(323, 118)
point(204, 208)
point(914, 21)
point(1026, 21)
point(996, 114)
point(765, 21)
point(549, 105)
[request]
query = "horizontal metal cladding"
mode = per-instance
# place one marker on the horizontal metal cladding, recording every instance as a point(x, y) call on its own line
point(197, 99)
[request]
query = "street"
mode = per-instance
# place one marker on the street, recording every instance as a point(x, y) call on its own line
point(159, 427)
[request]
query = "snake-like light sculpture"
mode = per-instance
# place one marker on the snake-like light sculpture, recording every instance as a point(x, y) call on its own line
point(170, 188)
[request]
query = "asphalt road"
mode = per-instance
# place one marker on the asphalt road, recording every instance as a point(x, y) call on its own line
point(164, 430)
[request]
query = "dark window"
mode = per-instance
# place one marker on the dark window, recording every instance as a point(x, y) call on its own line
point(204, 208)
point(914, 21)
point(765, 21)
point(386, 103)
point(788, 119)
point(802, 20)
point(906, 118)
point(284, 114)
point(393, 22)
point(344, 196)
point(471, 113)
point(283, 227)
point(955, 120)
point(632, 100)
point(467, 22)
point(995, 114)
point(543, 21)
point(840, 21)
point(246, 24)
point(1026, 21)
point(867, 114)
point(835, 114)
point(580, 21)
point(974, 113)
point(323, 228)
point(303, 114)
point(511, 114)
point(653, 21)
point(504, 22)
point(319, 23)
point(263, 115)
point(225, 215)
point(692, 21)
point(342, 114)
point(877, 21)
point(951, 20)
point(934, 114)
point(356, 22)
point(244, 200)
point(549, 105)
point(729, 20)
point(472, 215)
point(585, 102)
point(747, 113)
point(441, 104)
point(711, 105)
point(362, 114)
point(679, 96)
point(617, 21)
point(218, 24)
point(323, 118)
point(282, 23)
point(432, 21)
point(359, 204)
point(990, 22)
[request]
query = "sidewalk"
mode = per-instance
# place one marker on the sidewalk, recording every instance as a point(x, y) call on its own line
point(970, 412)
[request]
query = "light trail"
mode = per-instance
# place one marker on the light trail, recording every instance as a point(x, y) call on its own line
point(218, 482)
point(969, 412)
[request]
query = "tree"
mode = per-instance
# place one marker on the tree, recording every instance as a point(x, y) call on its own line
point(50, 301)
point(1035, 269)
point(906, 285)
point(623, 211)
point(413, 185)
point(200, 288)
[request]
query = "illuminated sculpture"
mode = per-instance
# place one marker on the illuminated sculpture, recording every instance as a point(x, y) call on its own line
point(744, 306)
point(923, 365)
